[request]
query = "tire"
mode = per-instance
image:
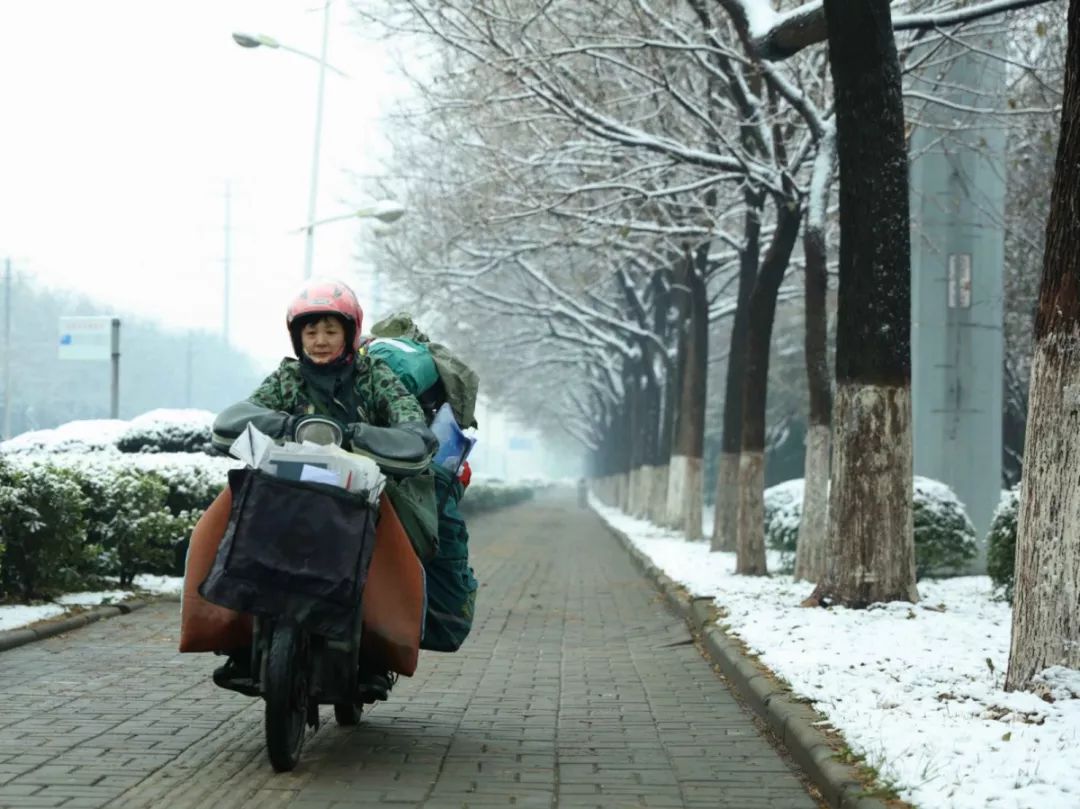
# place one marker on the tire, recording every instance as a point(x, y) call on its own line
point(286, 698)
point(347, 714)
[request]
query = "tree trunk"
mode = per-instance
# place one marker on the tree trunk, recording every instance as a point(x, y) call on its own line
point(871, 535)
point(661, 448)
point(1046, 611)
point(635, 448)
point(632, 426)
point(680, 305)
point(813, 526)
point(686, 473)
point(750, 543)
point(725, 525)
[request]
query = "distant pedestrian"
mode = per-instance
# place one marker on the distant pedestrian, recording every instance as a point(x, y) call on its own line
point(582, 493)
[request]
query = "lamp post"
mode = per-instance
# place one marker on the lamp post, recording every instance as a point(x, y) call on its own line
point(256, 40)
point(386, 211)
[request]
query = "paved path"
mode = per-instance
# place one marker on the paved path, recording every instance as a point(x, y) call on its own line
point(577, 688)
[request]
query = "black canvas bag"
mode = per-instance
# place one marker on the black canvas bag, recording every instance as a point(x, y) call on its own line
point(294, 549)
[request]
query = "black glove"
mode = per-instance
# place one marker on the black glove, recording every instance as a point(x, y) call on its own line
point(420, 430)
point(412, 440)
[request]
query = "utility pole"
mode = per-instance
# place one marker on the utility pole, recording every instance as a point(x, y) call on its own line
point(227, 271)
point(187, 381)
point(309, 234)
point(7, 348)
point(114, 353)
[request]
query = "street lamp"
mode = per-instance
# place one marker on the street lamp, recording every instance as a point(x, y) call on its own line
point(386, 211)
point(245, 40)
point(254, 41)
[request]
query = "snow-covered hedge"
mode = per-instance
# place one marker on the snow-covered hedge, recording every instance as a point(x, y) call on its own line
point(92, 435)
point(168, 431)
point(156, 431)
point(944, 535)
point(783, 511)
point(130, 521)
point(68, 519)
point(71, 518)
point(42, 520)
point(1001, 542)
point(487, 494)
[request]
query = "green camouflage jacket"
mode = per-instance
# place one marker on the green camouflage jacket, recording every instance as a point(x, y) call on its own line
point(379, 396)
point(382, 400)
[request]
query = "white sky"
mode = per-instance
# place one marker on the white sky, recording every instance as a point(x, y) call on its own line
point(122, 120)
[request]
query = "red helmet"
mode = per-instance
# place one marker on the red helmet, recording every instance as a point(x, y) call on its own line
point(326, 298)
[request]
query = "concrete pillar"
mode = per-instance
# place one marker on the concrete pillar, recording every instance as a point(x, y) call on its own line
point(957, 211)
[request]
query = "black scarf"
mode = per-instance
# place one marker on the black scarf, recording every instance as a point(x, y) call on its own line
point(332, 386)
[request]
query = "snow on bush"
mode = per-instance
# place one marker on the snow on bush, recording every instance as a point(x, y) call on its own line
point(157, 431)
point(130, 521)
point(193, 479)
point(783, 512)
point(76, 436)
point(487, 494)
point(133, 514)
point(168, 431)
point(1001, 543)
point(42, 520)
point(944, 535)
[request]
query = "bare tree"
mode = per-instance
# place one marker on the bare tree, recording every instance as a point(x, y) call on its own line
point(813, 525)
point(872, 554)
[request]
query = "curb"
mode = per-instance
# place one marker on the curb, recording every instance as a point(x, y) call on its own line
point(791, 721)
point(13, 638)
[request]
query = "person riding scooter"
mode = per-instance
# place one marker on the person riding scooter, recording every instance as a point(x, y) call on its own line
point(328, 379)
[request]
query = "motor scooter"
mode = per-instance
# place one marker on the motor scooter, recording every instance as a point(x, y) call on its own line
point(305, 594)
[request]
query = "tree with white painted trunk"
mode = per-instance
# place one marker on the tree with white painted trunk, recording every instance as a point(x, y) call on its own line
point(1046, 606)
point(685, 471)
point(813, 522)
point(871, 533)
point(726, 510)
point(750, 544)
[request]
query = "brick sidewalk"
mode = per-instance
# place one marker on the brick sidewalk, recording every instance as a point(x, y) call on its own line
point(577, 688)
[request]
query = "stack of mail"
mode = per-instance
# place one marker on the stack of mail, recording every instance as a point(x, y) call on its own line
point(315, 463)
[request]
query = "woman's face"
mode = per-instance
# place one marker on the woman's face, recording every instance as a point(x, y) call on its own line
point(324, 340)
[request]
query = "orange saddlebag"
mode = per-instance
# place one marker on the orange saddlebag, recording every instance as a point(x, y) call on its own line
point(393, 606)
point(206, 627)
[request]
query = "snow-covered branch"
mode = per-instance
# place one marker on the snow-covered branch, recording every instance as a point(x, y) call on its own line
point(778, 35)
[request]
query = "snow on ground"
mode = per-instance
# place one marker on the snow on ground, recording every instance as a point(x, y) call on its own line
point(160, 585)
point(915, 688)
point(20, 615)
point(93, 599)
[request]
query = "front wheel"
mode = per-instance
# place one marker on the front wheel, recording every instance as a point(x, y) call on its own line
point(286, 694)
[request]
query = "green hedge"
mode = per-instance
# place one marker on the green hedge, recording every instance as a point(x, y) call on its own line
point(130, 521)
point(69, 520)
point(158, 432)
point(944, 535)
point(43, 522)
point(490, 495)
point(783, 511)
point(1001, 543)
